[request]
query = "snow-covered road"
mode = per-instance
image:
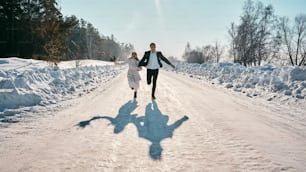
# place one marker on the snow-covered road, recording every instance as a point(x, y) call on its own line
point(107, 131)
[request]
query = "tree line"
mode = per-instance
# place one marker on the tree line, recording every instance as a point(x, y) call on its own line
point(260, 36)
point(207, 53)
point(37, 29)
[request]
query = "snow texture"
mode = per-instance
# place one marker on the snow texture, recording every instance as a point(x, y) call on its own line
point(24, 83)
point(107, 131)
point(264, 80)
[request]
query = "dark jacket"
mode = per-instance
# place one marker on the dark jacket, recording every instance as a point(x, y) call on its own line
point(146, 57)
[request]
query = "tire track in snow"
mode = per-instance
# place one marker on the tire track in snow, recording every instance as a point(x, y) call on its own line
point(215, 138)
point(245, 157)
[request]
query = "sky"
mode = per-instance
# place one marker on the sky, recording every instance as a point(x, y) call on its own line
point(168, 23)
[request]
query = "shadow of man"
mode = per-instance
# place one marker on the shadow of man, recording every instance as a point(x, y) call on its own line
point(153, 127)
point(123, 118)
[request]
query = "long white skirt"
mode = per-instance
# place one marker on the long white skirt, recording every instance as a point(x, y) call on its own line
point(133, 79)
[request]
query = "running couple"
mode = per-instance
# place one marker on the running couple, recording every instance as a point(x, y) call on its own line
point(152, 61)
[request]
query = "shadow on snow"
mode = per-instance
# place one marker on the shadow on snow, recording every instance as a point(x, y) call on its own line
point(123, 118)
point(153, 126)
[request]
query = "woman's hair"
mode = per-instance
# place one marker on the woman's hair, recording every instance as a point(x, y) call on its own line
point(135, 54)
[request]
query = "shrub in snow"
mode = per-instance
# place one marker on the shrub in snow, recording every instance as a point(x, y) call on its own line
point(298, 74)
point(288, 92)
point(229, 85)
point(300, 96)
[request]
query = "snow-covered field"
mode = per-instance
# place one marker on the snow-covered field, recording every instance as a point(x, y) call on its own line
point(284, 85)
point(193, 125)
point(27, 83)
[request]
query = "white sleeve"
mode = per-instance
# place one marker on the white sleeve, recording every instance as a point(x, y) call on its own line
point(132, 64)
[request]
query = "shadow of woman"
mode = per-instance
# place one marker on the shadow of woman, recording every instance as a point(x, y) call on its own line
point(123, 118)
point(153, 127)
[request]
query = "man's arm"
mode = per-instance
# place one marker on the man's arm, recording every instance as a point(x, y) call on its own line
point(142, 61)
point(163, 58)
point(172, 127)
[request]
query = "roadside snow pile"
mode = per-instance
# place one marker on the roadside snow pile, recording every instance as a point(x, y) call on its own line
point(287, 81)
point(43, 86)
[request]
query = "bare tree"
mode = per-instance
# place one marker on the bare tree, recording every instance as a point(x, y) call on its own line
point(200, 55)
point(233, 46)
point(217, 51)
point(294, 39)
point(252, 40)
point(300, 28)
point(208, 52)
point(173, 59)
point(286, 36)
point(194, 56)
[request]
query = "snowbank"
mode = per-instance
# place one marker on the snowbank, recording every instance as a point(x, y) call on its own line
point(254, 81)
point(69, 64)
point(31, 82)
point(31, 64)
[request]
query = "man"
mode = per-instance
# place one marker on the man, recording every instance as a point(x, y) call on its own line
point(152, 61)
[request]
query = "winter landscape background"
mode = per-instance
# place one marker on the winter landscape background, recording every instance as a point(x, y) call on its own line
point(233, 104)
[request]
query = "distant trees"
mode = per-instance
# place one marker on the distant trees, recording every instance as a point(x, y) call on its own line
point(293, 39)
point(16, 28)
point(254, 39)
point(52, 31)
point(217, 51)
point(262, 36)
point(173, 59)
point(208, 53)
point(37, 29)
point(85, 42)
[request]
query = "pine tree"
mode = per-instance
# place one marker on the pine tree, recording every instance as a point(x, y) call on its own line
point(53, 31)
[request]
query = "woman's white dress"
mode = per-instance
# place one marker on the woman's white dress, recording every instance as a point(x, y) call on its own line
point(133, 73)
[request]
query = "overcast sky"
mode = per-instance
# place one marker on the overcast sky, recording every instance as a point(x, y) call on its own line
point(168, 23)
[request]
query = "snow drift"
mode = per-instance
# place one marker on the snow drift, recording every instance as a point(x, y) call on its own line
point(43, 86)
point(283, 81)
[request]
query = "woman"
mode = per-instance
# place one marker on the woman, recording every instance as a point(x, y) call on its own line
point(133, 73)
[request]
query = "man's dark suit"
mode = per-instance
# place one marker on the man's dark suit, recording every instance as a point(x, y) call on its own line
point(146, 57)
point(153, 72)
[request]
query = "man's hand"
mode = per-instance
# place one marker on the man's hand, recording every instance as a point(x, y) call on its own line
point(185, 118)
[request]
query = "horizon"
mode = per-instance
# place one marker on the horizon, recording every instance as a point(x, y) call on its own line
point(168, 23)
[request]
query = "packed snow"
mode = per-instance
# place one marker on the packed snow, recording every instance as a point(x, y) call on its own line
point(20, 64)
point(27, 82)
point(285, 84)
point(107, 130)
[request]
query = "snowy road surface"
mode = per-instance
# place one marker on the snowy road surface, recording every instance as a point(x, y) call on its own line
point(107, 131)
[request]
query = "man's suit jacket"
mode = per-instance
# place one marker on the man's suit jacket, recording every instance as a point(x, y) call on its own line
point(146, 57)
